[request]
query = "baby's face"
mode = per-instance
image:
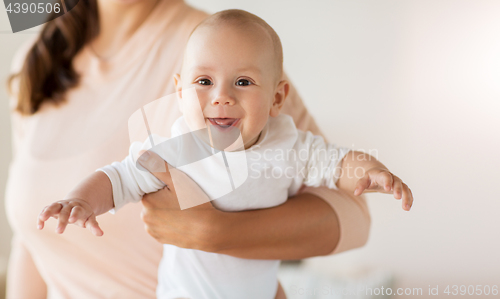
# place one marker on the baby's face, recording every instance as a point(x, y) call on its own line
point(235, 78)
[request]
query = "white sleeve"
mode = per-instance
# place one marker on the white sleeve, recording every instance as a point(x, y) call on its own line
point(130, 183)
point(321, 160)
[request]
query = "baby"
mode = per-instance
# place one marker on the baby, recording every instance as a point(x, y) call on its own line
point(233, 61)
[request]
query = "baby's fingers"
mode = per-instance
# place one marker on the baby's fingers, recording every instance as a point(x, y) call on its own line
point(397, 187)
point(49, 211)
point(386, 181)
point(361, 185)
point(78, 216)
point(94, 226)
point(63, 218)
point(407, 198)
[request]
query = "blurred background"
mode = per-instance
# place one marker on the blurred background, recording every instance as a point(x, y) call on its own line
point(416, 83)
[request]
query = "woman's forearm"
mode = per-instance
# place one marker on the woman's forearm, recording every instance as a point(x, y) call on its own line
point(304, 226)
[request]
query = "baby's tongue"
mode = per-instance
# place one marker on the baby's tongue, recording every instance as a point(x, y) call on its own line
point(224, 121)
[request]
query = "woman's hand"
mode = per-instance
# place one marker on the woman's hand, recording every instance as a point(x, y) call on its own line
point(303, 226)
point(192, 227)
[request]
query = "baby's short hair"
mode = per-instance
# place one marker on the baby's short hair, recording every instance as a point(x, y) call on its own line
point(240, 18)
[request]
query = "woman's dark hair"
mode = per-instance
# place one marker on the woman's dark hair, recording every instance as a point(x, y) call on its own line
point(48, 72)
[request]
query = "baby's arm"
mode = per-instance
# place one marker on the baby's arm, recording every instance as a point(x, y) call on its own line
point(362, 172)
point(92, 197)
point(351, 171)
point(110, 187)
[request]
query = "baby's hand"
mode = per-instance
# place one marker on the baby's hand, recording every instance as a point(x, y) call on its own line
point(75, 211)
point(381, 180)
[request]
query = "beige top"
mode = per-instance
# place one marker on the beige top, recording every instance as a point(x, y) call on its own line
point(59, 146)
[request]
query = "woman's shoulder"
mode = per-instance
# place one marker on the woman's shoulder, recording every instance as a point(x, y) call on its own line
point(185, 15)
point(197, 14)
point(192, 17)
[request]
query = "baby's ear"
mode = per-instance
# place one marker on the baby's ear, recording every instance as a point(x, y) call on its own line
point(178, 86)
point(279, 98)
point(178, 90)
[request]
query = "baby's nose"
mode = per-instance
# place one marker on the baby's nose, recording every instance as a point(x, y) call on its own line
point(223, 100)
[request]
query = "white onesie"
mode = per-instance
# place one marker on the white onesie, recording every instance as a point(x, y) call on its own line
point(280, 162)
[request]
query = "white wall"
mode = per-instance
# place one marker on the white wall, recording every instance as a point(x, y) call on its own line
point(419, 82)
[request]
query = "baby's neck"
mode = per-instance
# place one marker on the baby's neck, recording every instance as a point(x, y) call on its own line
point(253, 142)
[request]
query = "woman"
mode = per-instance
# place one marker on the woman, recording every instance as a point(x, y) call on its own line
point(76, 87)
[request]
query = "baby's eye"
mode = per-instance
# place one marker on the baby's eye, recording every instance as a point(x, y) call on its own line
point(243, 82)
point(204, 82)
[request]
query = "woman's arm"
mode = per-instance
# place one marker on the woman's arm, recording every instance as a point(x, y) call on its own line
point(304, 226)
point(23, 279)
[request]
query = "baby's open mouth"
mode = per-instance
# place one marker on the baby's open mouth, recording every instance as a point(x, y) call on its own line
point(224, 122)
